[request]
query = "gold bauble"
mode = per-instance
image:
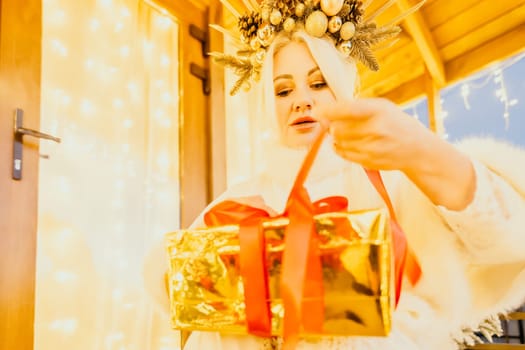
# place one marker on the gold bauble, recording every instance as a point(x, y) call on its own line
point(275, 17)
point(299, 9)
point(265, 34)
point(316, 24)
point(347, 31)
point(331, 7)
point(289, 24)
point(265, 14)
point(334, 24)
point(258, 57)
point(255, 43)
point(345, 47)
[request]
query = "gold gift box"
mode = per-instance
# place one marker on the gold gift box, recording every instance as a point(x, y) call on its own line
point(206, 288)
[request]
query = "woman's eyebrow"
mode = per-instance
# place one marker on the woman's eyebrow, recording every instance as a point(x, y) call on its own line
point(289, 76)
point(283, 76)
point(313, 70)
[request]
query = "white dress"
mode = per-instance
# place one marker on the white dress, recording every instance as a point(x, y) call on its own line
point(473, 261)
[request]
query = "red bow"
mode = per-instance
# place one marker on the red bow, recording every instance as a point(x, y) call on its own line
point(301, 264)
point(248, 213)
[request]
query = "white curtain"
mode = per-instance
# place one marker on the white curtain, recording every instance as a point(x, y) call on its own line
point(111, 187)
point(245, 134)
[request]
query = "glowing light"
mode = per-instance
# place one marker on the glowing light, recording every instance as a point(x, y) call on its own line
point(119, 26)
point(124, 51)
point(68, 325)
point(117, 294)
point(125, 12)
point(165, 60)
point(118, 103)
point(117, 203)
point(166, 98)
point(164, 161)
point(65, 234)
point(119, 227)
point(134, 91)
point(119, 184)
point(465, 92)
point(58, 47)
point(241, 124)
point(89, 63)
point(128, 123)
point(64, 185)
point(94, 24)
point(87, 107)
point(65, 276)
point(148, 46)
point(502, 94)
point(112, 339)
point(57, 17)
point(159, 84)
point(163, 22)
point(105, 3)
point(66, 100)
point(161, 118)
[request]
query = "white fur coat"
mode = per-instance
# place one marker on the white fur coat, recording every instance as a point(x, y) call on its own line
point(473, 261)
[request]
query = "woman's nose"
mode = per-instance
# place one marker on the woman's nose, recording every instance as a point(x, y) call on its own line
point(302, 103)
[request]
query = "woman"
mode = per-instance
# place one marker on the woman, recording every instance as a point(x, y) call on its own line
point(462, 209)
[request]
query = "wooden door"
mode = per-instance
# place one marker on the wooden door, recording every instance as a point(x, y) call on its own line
point(20, 57)
point(20, 61)
point(200, 127)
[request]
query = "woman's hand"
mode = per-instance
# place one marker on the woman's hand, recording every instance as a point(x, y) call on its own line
point(378, 135)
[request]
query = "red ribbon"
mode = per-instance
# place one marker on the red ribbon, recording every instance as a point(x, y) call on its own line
point(301, 264)
point(248, 213)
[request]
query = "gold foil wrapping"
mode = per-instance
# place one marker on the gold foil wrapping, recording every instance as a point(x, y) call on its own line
point(206, 289)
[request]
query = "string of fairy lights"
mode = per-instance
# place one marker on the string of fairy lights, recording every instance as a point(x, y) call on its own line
point(494, 75)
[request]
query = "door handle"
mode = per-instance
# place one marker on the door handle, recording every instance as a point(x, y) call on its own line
point(18, 141)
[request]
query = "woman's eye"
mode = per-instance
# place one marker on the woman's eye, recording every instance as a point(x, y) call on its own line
point(318, 85)
point(283, 92)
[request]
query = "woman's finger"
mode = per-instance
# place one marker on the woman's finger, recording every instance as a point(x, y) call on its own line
point(357, 109)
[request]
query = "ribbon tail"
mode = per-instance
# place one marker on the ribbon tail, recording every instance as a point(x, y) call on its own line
point(255, 278)
point(400, 253)
point(412, 268)
point(298, 236)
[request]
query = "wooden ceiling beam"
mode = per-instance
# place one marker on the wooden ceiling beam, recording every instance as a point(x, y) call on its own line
point(425, 42)
point(435, 120)
point(407, 92)
point(495, 50)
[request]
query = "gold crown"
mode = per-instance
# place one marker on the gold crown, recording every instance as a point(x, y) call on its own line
point(344, 21)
